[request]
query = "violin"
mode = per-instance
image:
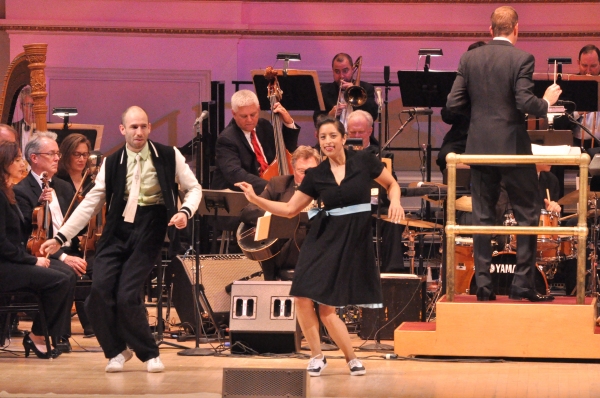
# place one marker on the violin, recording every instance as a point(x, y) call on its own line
point(40, 222)
point(96, 223)
point(282, 165)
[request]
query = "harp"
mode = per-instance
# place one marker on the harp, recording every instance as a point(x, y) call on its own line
point(25, 69)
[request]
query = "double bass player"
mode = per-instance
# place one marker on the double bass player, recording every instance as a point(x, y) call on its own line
point(246, 147)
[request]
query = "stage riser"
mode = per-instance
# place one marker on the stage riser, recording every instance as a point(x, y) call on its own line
point(511, 329)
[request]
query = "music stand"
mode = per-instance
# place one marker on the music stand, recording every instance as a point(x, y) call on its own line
point(92, 132)
point(582, 90)
point(301, 90)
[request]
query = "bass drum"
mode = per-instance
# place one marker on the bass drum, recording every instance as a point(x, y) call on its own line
point(502, 270)
point(464, 267)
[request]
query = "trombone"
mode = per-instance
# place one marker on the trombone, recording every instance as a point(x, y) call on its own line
point(354, 95)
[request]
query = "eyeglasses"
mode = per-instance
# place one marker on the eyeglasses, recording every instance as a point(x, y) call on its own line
point(78, 155)
point(51, 154)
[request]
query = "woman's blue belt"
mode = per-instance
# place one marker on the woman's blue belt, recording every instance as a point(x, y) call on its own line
point(341, 211)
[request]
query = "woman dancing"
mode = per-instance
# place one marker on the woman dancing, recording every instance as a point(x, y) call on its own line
point(336, 266)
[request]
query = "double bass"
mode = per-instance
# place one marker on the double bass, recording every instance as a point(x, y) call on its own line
point(40, 223)
point(282, 165)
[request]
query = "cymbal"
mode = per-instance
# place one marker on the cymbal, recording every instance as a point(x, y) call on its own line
point(464, 203)
point(415, 222)
point(573, 197)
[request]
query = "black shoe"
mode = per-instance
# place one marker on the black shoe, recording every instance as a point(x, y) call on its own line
point(530, 295)
point(88, 334)
point(63, 346)
point(29, 345)
point(491, 297)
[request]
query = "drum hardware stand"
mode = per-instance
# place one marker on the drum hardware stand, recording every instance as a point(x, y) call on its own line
point(199, 295)
point(377, 345)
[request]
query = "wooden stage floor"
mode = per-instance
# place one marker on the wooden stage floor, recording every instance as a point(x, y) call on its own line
point(81, 374)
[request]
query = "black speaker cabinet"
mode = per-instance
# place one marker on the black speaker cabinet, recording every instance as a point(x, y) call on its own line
point(263, 318)
point(217, 271)
point(285, 383)
point(403, 301)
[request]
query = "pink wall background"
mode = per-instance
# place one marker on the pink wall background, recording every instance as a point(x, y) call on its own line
point(224, 40)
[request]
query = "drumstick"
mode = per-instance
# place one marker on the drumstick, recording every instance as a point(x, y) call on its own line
point(548, 194)
point(554, 71)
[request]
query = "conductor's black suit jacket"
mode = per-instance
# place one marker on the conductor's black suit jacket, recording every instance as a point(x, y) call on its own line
point(503, 93)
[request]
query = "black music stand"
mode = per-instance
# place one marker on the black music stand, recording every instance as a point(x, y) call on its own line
point(301, 90)
point(584, 93)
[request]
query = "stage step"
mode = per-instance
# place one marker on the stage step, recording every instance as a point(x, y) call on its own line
point(504, 328)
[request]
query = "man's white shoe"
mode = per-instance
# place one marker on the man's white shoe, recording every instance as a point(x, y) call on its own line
point(155, 365)
point(116, 364)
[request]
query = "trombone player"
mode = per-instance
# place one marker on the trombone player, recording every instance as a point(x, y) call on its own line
point(343, 78)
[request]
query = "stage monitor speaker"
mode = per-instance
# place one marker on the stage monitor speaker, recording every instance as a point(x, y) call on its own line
point(285, 383)
point(263, 318)
point(403, 301)
point(216, 273)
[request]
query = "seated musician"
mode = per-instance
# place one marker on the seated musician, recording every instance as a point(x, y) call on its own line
point(20, 270)
point(25, 126)
point(343, 70)
point(360, 125)
point(42, 154)
point(75, 150)
point(246, 147)
point(589, 65)
point(281, 189)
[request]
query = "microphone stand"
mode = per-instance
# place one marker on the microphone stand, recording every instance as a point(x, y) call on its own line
point(411, 116)
point(377, 345)
point(199, 289)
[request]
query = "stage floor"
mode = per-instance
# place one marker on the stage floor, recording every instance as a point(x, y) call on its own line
point(81, 374)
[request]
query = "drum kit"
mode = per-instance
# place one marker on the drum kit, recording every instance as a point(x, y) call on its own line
point(551, 250)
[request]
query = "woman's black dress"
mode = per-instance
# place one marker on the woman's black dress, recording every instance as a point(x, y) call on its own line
point(337, 265)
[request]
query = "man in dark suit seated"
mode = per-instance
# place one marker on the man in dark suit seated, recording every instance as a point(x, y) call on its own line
point(343, 70)
point(494, 85)
point(42, 154)
point(246, 147)
point(281, 189)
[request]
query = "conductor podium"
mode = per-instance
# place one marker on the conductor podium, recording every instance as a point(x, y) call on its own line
point(504, 328)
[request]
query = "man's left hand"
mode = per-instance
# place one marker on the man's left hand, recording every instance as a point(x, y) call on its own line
point(179, 220)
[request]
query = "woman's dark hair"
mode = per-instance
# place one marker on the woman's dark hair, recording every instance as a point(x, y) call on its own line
point(329, 120)
point(67, 147)
point(9, 152)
